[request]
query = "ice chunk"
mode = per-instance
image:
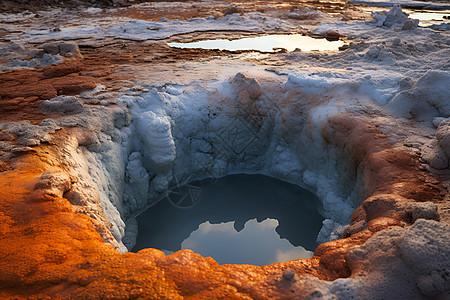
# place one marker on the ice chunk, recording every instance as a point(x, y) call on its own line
point(327, 230)
point(428, 98)
point(63, 105)
point(155, 133)
point(393, 18)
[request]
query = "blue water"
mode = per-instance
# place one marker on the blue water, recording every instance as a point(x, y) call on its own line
point(239, 219)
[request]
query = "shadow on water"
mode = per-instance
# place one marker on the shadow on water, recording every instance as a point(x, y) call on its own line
point(235, 219)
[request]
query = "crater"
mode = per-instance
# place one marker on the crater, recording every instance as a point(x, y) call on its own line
point(240, 128)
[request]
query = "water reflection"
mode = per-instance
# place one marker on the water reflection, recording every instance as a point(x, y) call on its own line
point(265, 43)
point(429, 17)
point(257, 243)
point(238, 219)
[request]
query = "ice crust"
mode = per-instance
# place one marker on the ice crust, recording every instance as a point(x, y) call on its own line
point(394, 17)
point(20, 56)
point(157, 140)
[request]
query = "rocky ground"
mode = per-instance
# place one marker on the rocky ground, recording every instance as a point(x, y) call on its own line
point(89, 95)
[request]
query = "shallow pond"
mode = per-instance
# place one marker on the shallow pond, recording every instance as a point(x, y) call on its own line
point(429, 17)
point(267, 43)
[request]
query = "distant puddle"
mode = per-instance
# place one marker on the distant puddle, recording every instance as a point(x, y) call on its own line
point(429, 17)
point(267, 43)
point(250, 219)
